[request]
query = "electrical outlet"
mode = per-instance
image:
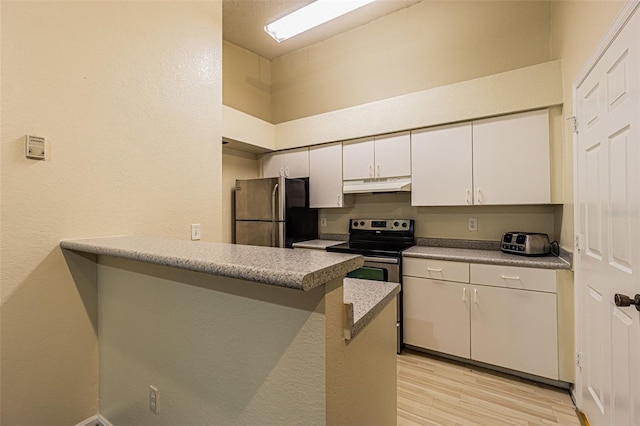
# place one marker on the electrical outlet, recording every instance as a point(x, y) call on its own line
point(195, 231)
point(473, 224)
point(154, 400)
point(323, 221)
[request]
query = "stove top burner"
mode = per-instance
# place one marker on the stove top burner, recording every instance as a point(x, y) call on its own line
point(378, 237)
point(386, 251)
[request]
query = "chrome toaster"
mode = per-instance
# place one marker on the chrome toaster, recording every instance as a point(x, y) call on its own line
point(526, 243)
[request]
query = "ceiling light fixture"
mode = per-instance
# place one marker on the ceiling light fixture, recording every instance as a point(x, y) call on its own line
point(312, 15)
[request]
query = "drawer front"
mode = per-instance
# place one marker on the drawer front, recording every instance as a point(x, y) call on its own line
point(514, 277)
point(436, 269)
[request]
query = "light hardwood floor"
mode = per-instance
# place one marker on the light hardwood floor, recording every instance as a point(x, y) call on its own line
point(438, 392)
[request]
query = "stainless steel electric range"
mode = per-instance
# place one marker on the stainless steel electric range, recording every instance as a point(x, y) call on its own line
point(381, 242)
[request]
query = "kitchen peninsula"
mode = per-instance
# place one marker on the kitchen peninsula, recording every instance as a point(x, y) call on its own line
point(232, 334)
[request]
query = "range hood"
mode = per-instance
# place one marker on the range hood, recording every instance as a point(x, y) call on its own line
point(401, 184)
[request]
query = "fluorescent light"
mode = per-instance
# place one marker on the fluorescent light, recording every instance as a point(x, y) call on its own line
point(312, 15)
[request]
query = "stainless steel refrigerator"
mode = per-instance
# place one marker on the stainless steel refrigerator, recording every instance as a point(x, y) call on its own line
point(274, 212)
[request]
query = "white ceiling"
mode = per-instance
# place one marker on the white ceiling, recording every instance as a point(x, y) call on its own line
point(243, 23)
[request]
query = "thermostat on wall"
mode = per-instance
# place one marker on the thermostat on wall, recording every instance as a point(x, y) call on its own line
point(34, 147)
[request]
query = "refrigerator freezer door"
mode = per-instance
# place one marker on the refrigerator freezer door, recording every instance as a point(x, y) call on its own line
point(254, 199)
point(269, 234)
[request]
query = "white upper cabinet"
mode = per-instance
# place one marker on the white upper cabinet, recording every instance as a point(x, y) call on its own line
point(380, 157)
point(358, 159)
point(441, 163)
point(511, 159)
point(503, 160)
point(393, 155)
point(293, 163)
point(325, 176)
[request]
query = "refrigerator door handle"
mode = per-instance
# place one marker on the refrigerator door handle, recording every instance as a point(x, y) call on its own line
point(273, 215)
point(281, 235)
point(281, 216)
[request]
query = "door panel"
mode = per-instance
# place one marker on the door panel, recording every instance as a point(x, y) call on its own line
point(593, 213)
point(619, 223)
point(622, 332)
point(325, 176)
point(515, 329)
point(441, 166)
point(596, 379)
point(608, 220)
point(436, 315)
point(357, 159)
point(511, 159)
point(393, 155)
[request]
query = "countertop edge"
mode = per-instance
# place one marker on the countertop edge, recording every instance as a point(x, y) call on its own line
point(488, 257)
point(293, 280)
point(316, 244)
point(378, 305)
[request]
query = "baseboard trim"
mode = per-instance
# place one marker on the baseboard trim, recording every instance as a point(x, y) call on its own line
point(96, 420)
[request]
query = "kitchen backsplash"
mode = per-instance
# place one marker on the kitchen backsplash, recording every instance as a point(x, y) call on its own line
point(447, 222)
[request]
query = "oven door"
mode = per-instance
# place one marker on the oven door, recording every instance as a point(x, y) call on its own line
point(378, 269)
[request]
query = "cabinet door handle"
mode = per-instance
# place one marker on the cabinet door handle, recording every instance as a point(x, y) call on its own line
point(510, 277)
point(339, 200)
point(475, 295)
point(286, 172)
point(468, 196)
point(281, 171)
point(378, 170)
point(370, 170)
point(464, 294)
point(434, 269)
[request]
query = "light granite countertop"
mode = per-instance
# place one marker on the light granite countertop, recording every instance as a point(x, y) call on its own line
point(493, 257)
point(316, 244)
point(297, 269)
point(367, 299)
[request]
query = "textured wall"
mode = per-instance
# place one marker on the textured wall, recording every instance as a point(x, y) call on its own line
point(235, 165)
point(428, 45)
point(247, 81)
point(220, 351)
point(128, 95)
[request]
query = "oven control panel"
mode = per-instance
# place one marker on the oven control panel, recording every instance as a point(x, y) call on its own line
point(381, 224)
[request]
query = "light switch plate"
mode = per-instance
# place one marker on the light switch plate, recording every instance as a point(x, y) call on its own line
point(195, 231)
point(34, 147)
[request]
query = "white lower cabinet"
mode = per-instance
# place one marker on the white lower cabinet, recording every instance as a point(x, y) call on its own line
point(436, 315)
point(497, 316)
point(515, 329)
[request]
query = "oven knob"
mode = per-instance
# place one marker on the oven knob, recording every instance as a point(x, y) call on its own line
point(355, 224)
point(404, 224)
point(396, 223)
point(362, 223)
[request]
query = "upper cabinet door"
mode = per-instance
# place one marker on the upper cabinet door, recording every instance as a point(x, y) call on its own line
point(358, 159)
point(511, 159)
point(393, 155)
point(441, 166)
point(325, 176)
point(293, 163)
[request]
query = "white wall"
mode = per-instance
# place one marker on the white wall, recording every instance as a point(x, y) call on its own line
point(128, 96)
